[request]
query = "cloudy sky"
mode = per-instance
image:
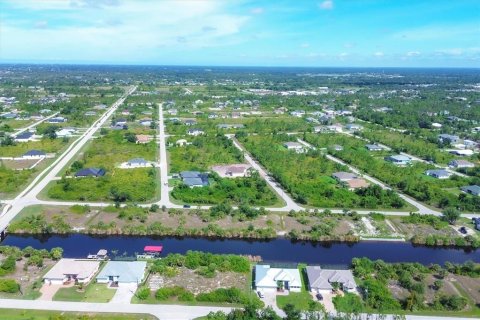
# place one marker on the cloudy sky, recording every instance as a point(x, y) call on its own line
point(431, 33)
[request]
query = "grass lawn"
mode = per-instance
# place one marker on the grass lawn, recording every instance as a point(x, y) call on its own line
point(301, 300)
point(94, 292)
point(16, 314)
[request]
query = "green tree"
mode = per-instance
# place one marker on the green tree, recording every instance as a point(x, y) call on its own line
point(451, 215)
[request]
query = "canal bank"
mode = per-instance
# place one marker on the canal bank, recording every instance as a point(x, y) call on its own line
point(278, 250)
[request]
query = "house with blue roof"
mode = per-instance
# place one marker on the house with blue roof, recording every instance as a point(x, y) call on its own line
point(194, 178)
point(399, 160)
point(33, 154)
point(119, 273)
point(90, 172)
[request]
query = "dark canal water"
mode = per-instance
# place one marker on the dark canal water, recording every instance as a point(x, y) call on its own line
point(280, 250)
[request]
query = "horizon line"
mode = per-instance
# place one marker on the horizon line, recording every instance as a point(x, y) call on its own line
point(226, 66)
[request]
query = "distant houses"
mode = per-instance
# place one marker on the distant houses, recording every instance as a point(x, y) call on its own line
point(473, 190)
point(194, 178)
point(136, 163)
point(34, 154)
point(232, 171)
point(399, 160)
point(65, 132)
point(195, 132)
point(90, 172)
point(295, 146)
point(459, 163)
point(350, 180)
point(143, 138)
point(25, 137)
point(448, 138)
point(344, 176)
point(438, 173)
point(373, 147)
point(57, 120)
point(353, 127)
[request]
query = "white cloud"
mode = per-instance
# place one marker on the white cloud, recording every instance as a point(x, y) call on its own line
point(379, 54)
point(326, 5)
point(450, 52)
point(257, 10)
point(126, 31)
point(413, 53)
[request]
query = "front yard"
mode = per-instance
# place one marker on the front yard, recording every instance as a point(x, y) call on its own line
point(93, 292)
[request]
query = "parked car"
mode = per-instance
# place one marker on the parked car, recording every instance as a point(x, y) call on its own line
point(463, 230)
point(319, 297)
point(260, 294)
point(186, 206)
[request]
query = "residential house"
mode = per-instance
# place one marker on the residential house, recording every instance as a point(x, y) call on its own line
point(337, 147)
point(25, 136)
point(122, 273)
point(65, 132)
point(344, 176)
point(90, 172)
point(143, 138)
point(448, 138)
point(373, 147)
point(298, 113)
point(233, 170)
point(460, 164)
point(323, 280)
point(271, 279)
point(34, 154)
point(66, 270)
point(399, 160)
point(436, 125)
point(120, 122)
point(90, 113)
point(335, 128)
point(181, 142)
point(438, 173)
point(473, 190)
point(195, 132)
point(296, 146)
point(137, 163)
point(354, 184)
point(194, 178)
point(230, 126)
point(463, 153)
point(57, 120)
point(146, 122)
point(353, 127)
point(190, 122)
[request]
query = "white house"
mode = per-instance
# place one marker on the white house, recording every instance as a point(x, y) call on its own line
point(460, 164)
point(296, 146)
point(271, 279)
point(195, 132)
point(65, 132)
point(136, 163)
point(122, 272)
point(232, 171)
point(399, 160)
point(66, 270)
point(322, 280)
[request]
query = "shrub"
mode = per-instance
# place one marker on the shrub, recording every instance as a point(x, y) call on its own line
point(143, 293)
point(9, 285)
point(349, 303)
point(166, 293)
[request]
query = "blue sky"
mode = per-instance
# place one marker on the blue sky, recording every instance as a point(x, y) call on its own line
point(364, 33)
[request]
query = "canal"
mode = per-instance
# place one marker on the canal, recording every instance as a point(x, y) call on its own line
point(279, 250)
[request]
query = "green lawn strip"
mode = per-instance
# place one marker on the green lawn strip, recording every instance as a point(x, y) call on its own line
point(94, 292)
point(301, 300)
point(22, 314)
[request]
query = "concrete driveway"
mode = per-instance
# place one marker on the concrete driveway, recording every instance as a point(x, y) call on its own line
point(49, 290)
point(270, 300)
point(327, 300)
point(124, 294)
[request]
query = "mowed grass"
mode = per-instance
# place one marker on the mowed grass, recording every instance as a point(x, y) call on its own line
point(94, 292)
point(21, 314)
point(45, 145)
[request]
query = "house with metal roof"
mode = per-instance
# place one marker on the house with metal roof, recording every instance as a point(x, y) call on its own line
point(459, 163)
point(33, 154)
point(271, 279)
point(136, 163)
point(90, 172)
point(399, 160)
point(25, 136)
point(122, 272)
point(373, 147)
point(438, 173)
point(194, 178)
point(473, 190)
point(323, 279)
point(296, 146)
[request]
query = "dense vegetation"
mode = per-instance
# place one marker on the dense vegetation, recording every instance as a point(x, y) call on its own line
point(307, 176)
point(251, 190)
point(410, 180)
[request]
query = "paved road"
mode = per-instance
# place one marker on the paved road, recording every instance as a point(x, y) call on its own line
point(34, 124)
point(290, 204)
point(29, 195)
point(421, 208)
point(164, 312)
